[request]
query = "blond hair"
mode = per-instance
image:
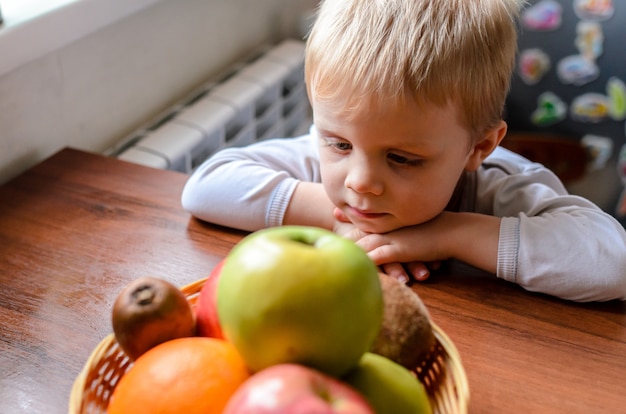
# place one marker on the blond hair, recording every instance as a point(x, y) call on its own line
point(436, 51)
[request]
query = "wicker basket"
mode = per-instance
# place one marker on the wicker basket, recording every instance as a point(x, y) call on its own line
point(441, 373)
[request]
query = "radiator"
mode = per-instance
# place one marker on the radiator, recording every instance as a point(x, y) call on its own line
point(260, 98)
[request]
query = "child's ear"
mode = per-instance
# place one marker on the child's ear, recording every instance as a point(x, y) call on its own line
point(485, 146)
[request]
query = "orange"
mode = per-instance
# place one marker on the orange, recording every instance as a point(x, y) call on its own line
point(186, 375)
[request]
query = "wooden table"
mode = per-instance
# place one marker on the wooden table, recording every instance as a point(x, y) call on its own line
point(77, 227)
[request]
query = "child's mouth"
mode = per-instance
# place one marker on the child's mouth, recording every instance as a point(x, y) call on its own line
point(365, 214)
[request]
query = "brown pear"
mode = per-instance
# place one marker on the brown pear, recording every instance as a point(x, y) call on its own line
point(150, 311)
point(406, 335)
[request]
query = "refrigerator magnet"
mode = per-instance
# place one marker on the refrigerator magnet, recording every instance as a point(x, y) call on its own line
point(590, 107)
point(543, 16)
point(599, 150)
point(616, 91)
point(589, 39)
point(533, 64)
point(597, 10)
point(550, 110)
point(577, 70)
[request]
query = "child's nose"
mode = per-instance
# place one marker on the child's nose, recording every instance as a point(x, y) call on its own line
point(363, 178)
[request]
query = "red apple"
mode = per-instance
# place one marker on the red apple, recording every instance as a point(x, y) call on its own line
point(292, 388)
point(207, 322)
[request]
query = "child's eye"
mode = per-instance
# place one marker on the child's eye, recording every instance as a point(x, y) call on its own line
point(338, 144)
point(401, 160)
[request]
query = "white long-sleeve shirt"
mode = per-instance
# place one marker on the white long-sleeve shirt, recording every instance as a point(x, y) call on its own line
point(550, 241)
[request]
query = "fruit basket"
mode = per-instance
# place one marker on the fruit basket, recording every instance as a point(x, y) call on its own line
point(441, 373)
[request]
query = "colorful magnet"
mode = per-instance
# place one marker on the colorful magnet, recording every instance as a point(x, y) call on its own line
point(590, 107)
point(597, 10)
point(599, 150)
point(550, 110)
point(577, 70)
point(616, 91)
point(533, 65)
point(589, 39)
point(543, 16)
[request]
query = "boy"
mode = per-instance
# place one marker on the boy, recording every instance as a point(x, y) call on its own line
point(403, 157)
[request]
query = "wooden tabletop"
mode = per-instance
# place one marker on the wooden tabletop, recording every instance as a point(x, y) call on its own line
point(78, 227)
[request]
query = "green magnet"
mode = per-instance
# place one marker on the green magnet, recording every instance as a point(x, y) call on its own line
point(616, 91)
point(550, 110)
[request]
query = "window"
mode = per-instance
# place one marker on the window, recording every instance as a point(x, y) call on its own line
point(19, 11)
point(34, 28)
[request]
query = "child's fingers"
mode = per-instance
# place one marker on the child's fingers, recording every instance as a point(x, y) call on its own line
point(419, 270)
point(395, 270)
point(338, 214)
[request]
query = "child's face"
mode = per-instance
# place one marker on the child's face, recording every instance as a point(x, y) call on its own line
point(392, 169)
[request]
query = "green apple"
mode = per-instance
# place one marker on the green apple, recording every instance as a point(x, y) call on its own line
point(389, 387)
point(301, 295)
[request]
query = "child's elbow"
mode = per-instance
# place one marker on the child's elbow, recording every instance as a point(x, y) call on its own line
point(190, 200)
point(617, 281)
point(610, 268)
point(609, 278)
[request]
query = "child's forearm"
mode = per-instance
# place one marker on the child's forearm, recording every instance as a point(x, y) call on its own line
point(310, 206)
point(470, 237)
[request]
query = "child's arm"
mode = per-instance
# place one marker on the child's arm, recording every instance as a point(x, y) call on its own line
point(310, 206)
point(586, 262)
point(469, 237)
point(526, 229)
point(258, 186)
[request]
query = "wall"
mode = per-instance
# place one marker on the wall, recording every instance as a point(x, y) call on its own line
point(93, 92)
point(602, 185)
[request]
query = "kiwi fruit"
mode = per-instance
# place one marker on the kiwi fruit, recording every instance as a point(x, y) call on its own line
point(406, 335)
point(150, 311)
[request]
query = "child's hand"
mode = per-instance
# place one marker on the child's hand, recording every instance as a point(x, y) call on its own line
point(344, 227)
point(468, 237)
point(404, 272)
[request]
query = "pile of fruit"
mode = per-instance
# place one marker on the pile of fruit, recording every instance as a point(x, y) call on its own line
point(293, 320)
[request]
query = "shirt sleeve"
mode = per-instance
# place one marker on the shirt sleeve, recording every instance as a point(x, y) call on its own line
point(249, 188)
point(550, 241)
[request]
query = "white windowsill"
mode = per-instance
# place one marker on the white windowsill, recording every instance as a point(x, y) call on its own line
point(30, 32)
